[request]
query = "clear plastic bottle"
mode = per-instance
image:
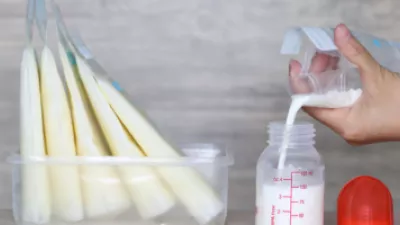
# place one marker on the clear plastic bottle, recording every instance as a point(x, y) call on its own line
point(293, 195)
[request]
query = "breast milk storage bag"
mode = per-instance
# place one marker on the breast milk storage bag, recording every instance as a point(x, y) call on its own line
point(308, 44)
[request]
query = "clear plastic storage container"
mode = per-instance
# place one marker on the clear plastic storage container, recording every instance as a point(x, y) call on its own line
point(295, 194)
point(106, 195)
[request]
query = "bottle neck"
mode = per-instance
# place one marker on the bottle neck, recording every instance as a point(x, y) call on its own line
point(293, 135)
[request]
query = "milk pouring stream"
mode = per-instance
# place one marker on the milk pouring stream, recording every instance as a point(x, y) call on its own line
point(290, 172)
point(332, 99)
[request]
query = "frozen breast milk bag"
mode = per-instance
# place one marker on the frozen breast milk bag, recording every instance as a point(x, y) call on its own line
point(103, 192)
point(148, 192)
point(193, 191)
point(59, 133)
point(36, 202)
point(199, 198)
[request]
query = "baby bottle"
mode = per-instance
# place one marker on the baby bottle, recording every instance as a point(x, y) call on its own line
point(290, 178)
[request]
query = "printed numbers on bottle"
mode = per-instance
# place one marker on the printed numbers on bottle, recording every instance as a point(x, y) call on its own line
point(306, 173)
point(303, 186)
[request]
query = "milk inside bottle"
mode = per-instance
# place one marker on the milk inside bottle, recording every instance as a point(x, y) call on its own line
point(293, 194)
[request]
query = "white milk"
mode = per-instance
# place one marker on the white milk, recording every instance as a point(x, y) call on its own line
point(332, 99)
point(307, 207)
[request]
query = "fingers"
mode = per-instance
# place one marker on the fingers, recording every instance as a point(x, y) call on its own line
point(320, 63)
point(332, 118)
point(333, 63)
point(297, 84)
point(355, 52)
point(294, 68)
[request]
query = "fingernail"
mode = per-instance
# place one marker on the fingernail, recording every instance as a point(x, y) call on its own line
point(342, 32)
point(290, 67)
point(345, 41)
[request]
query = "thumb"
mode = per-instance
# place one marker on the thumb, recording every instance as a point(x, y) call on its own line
point(356, 53)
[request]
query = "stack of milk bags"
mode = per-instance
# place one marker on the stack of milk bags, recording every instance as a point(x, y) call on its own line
point(80, 112)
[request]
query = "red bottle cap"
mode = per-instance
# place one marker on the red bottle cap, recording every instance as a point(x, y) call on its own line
point(365, 201)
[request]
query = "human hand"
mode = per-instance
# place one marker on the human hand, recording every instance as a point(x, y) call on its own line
point(375, 116)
